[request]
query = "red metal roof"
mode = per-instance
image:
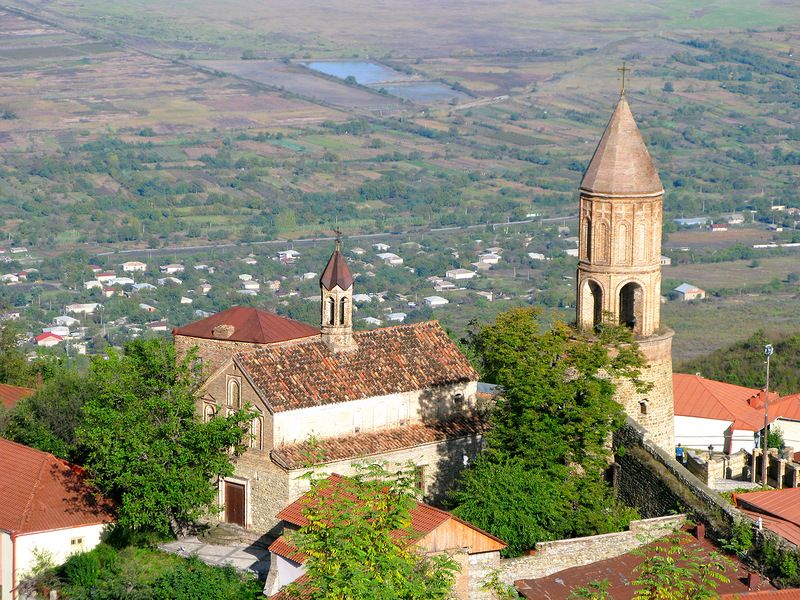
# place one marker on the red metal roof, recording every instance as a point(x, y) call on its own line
point(787, 407)
point(359, 445)
point(791, 594)
point(11, 394)
point(41, 492)
point(47, 335)
point(249, 325)
point(619, 572)
point(387, 361)
point(697, 396)
point(336, 272)
point(779, 509)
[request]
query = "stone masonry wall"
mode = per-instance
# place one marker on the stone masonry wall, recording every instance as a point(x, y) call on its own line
point(555, 556)
point(654, 409)
point(212, 353)
point(650, 479)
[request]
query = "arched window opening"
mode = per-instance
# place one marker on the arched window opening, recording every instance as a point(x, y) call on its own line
point(342, 305)
point(631, 299)
point(591, 305)
point(208, 413)
point(234, 394)
point(255, 433)
point(331, 311)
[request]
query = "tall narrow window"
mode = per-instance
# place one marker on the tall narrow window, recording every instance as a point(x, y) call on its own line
point(255, 433)
point(234, 394)
point(331, 311)
point(342, 304)
point(630, 307)
point(208, 413)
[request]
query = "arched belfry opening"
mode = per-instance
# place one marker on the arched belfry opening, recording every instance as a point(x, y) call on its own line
point(631, 306)
point(591, 304)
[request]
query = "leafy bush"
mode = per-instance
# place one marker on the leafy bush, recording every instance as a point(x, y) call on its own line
point(193, 580)
point(82, 569)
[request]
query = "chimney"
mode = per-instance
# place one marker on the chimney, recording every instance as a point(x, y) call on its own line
point(753, 581)
point(700, 531)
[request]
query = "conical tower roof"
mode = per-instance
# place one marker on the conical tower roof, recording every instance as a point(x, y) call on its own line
point(621, 165)
point(336, 272)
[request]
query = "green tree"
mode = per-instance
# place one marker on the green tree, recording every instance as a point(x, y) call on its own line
point(673, 570)
point(48, 419)
point(143, 443)
point(358, 542)
point(542, 473)
point(14, 369)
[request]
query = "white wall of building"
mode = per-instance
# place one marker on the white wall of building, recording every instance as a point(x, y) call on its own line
point(58, 542)
point(694, 432)
point(6, 565)
point(288, 570)
point(791, 432)
point(343, 418)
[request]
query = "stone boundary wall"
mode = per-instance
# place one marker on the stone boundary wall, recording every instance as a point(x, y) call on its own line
point(552, 557)
point(650, 479)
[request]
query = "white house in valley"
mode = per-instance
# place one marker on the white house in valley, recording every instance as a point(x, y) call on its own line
point(45, 504)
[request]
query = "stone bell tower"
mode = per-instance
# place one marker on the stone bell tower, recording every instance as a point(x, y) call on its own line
point(336, 289)
point(619, 267)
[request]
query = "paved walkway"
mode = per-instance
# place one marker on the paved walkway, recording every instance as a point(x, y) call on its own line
point(729, 485)
point(243, 557)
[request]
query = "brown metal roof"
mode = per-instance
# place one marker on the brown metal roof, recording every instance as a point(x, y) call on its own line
point(387, 361)
point(247, 324)
point(336, 272)
point(41, 492)
point(11, 394)
point(621, 164)
point(619, 572)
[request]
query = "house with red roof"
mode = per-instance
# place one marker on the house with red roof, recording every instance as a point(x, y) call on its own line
point(432, 530)
point(45, 504)
point(396, 394)
point(48, 339)
point(787, 410)
point(777, 510)
point(723, 415)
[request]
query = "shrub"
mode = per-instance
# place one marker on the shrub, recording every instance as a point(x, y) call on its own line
point(193, 580)
point(82, 569)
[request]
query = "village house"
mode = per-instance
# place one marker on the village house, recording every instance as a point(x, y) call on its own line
point(686, 292)
point(287, 257)
point(398, 394)
point(171, 269)
point(92, 283)
point(133, 266)
point(48, 340)
point(66, 320)
point(390, 259)
point(82, 308)
point(51, 508)
point(459, 274)
point(434, 531)
point(435, 301)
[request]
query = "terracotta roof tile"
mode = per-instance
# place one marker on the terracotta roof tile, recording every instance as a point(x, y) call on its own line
point(40, 492)
point(336, 273)
point(395, 359)
point(790, 594)
point(11, 394)
point(295, 456)
point(621, 164)
point(247, 324)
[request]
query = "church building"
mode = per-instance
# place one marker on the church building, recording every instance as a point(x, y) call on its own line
point(619, 268)
point(333, 397)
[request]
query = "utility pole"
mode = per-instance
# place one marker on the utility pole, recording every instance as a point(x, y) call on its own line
point(768, 350)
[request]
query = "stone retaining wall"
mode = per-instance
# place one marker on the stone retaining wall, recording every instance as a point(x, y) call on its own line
point(555, 556)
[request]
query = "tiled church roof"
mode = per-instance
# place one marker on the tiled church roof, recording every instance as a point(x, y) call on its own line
point(621, 163)
point(387, 361)
point(368, 443)
point(246, 324)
